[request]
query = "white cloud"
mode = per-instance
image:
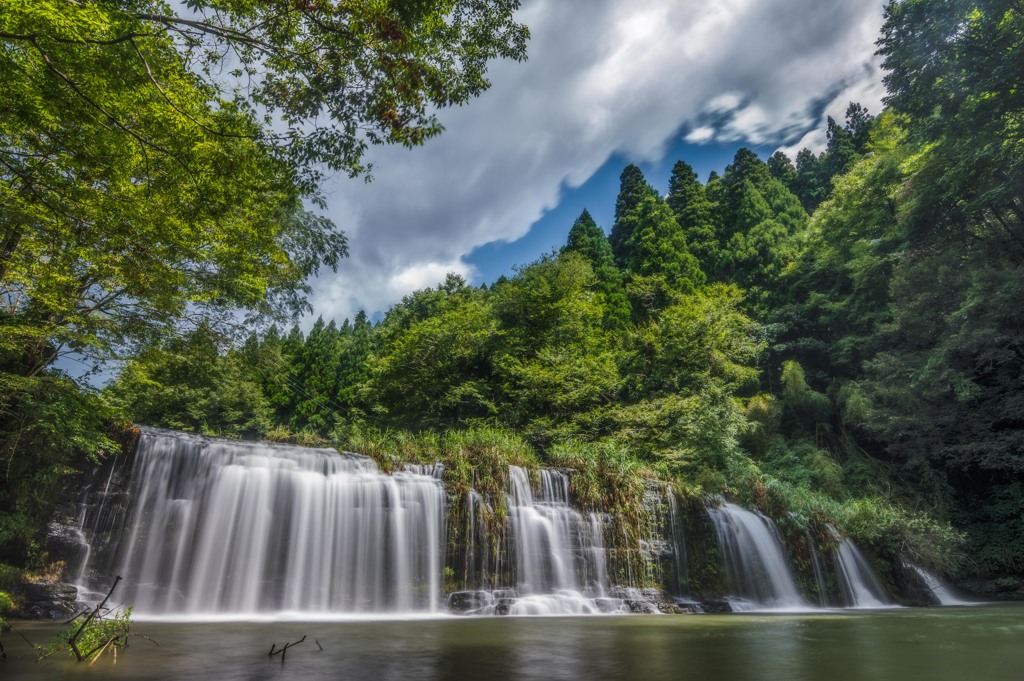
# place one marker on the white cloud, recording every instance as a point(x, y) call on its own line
point(724, 103)
point(701, 135)
point(603, 77)
point(867, 91)
point(426, 274)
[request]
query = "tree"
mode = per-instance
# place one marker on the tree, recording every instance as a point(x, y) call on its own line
point(840, 153)
point(809, 184)
point(657, 246)
point(955, 68)
point(633, 188)
point(763, 225)
point(590, 241)
point(336, 76)
point(694, 214)
point(556, 358)
point(145, 173)
point(188, 383)
point(435, 371)
point(782, 169)
point(122, 210)
point(160, 165)
point(858, 124)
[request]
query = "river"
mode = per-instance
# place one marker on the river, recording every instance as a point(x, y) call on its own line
point(933, 644)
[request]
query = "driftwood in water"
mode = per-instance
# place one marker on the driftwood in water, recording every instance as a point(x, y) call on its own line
point(274, 650)
point(73, 641)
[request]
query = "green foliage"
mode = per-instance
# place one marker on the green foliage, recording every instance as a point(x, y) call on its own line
point(633, 189)
point(605, 476)
point(656, 246)
point(589, 240)
point(187, 384)
point(89, 636)
point(133, 192)
point(901, 534)
point(475, 458)
point(995, 533)
point(435, 372)
point(702, 342)
point(6, 604)
point(157, 171)
point(49, 429)
point(556, 359)
point(763, 417)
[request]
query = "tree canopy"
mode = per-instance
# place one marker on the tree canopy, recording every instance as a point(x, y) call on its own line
point(157, 162)
point(160, 171)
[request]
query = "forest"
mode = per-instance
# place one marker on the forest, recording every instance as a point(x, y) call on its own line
point(832, 338)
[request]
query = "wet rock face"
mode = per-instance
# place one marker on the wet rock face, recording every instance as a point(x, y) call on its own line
point(504, 606)
point(715, 606)
point(49, 601)
point(64, 544)
point(463, 602)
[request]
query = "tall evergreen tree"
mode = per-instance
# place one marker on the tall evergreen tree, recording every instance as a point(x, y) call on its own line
point(633, 188)
point(657, 247)
point(589, 240)
point(808, 185)
point(782, 169)
point(695, 214)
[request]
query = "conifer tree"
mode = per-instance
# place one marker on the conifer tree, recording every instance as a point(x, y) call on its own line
point(633, 188)
point(589, 240)
point(694, 213)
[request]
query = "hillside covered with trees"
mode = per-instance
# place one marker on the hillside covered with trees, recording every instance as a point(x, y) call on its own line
point(832, 338)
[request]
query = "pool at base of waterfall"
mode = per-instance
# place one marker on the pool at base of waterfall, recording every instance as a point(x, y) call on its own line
point(985, 642)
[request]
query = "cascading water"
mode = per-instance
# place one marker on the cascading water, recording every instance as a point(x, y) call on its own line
point(240, 529)
point(681, 576)
point(939, 591)
point(560, 557)
point(861, 586)
point(201, 526)
point(755, 560)
point(818, 568)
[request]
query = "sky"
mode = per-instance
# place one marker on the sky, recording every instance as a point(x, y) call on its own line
point(607, 83)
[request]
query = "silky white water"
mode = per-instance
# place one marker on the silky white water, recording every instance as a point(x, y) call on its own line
point(755, 560)
point(937, 588)
point(861, 586)
point(560, 557)
point(225, 528)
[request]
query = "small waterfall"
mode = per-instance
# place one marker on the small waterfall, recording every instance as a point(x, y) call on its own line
point(559, 555)
point(754, 559)
point(236, 529)
point(681, 581)
point(818, 567)
point(861, 586)
point(938, 590)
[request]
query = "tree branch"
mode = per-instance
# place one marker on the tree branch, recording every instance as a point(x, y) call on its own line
point(99, 107)
point(156, 84)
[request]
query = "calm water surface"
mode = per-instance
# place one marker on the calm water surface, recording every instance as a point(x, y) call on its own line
point(980, 643)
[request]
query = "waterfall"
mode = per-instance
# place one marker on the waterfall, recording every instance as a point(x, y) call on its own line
point(861, 586)
point(938, 590)
point(754, 559)
point(560, 556)
point(819, 569)
point(239, 529)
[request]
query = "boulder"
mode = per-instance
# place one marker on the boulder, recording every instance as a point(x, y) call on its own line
point(45, 601)
point(463, 602)
point(715, 606)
